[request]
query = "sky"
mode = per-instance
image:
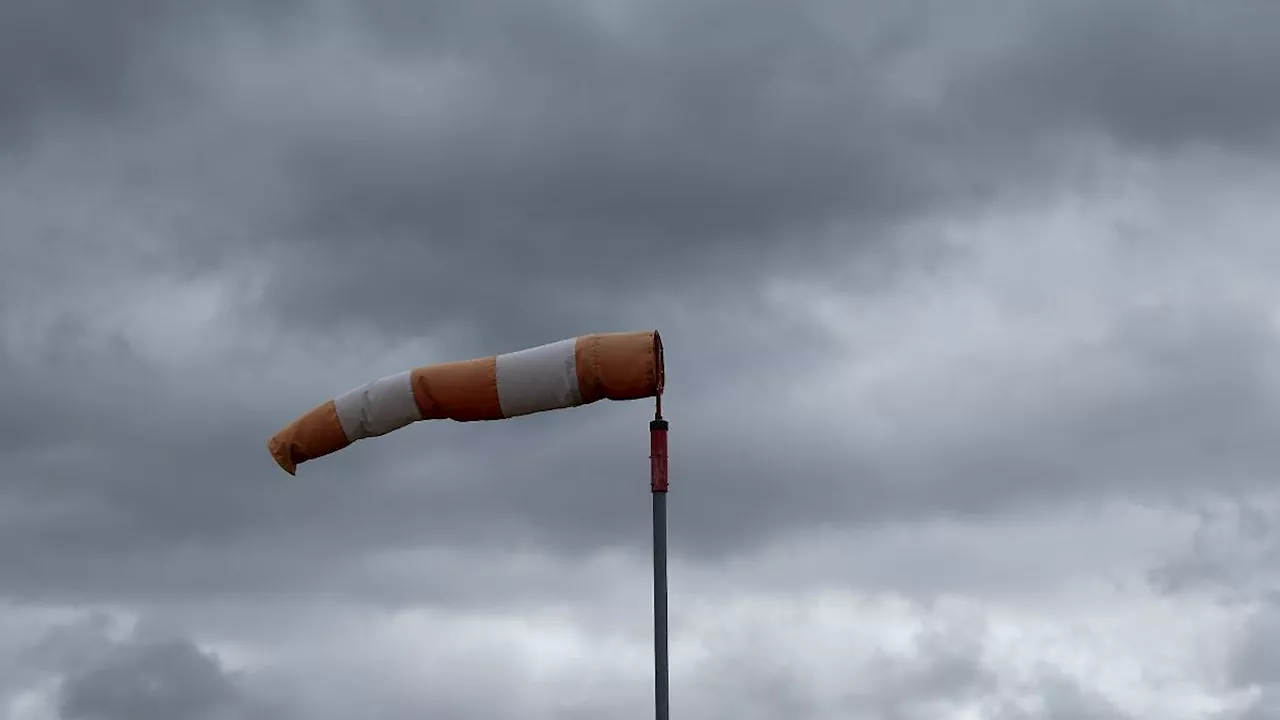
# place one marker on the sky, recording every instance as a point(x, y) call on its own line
point(972, 344)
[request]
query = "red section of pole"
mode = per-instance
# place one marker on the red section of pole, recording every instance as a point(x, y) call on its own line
point(658, 455)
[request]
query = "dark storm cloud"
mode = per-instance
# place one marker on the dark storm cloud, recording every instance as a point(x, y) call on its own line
point(568, 169)
point(65, 63)
point(155, 680)
point(1200, 410)
point(1156, 75)
point(99, 673)
point(575, 483)
point(534, 173)
point(71, 57)
point(693, 148)
point(578, 164)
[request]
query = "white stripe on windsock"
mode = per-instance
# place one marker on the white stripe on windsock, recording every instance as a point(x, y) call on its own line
point(537, 379)
point(378, 407)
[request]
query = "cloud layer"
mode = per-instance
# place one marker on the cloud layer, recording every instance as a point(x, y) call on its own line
point(971, 339)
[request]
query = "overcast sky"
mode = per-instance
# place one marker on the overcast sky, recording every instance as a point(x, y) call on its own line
point(973, 357)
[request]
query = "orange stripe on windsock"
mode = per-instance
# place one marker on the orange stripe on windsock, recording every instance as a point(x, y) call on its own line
point(619, 366)
point(313, 435)
point(613, 366)
point(461, 391)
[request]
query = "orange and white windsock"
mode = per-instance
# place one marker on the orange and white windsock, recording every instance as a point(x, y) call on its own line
point(613, 366)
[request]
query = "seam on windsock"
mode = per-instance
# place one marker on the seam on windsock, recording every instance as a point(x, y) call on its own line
point(378, 407)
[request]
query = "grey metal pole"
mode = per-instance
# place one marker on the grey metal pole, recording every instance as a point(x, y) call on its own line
point(658, 485)
point(661, 663)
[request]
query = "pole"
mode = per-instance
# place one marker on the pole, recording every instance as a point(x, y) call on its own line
point(658, 486)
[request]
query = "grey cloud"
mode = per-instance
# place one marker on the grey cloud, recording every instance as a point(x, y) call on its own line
point(1200, 414)
point(579, 164)
point(577, 160)
point(740, 674)
point(1063, 699)
point(1157, 75)
point(149, 673)
point(70, 56)
point(160, 680)
point(1198, 418)
point(576, 165)
point(1235, 555)
point(64, 63)
point(99, 672)
point(1256, 663)
point(507, 176)
point(942, 676)
point(1233, 551)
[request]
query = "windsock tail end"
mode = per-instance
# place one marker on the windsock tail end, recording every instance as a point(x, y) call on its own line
point(280, 453)
point(315, 434)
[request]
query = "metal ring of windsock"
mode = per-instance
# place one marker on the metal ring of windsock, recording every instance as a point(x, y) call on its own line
point(569, 373)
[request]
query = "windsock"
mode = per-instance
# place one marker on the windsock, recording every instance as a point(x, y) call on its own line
point(578, 371)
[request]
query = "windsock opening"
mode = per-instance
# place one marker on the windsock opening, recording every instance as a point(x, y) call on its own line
point(660, 364)
point(578, 371)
